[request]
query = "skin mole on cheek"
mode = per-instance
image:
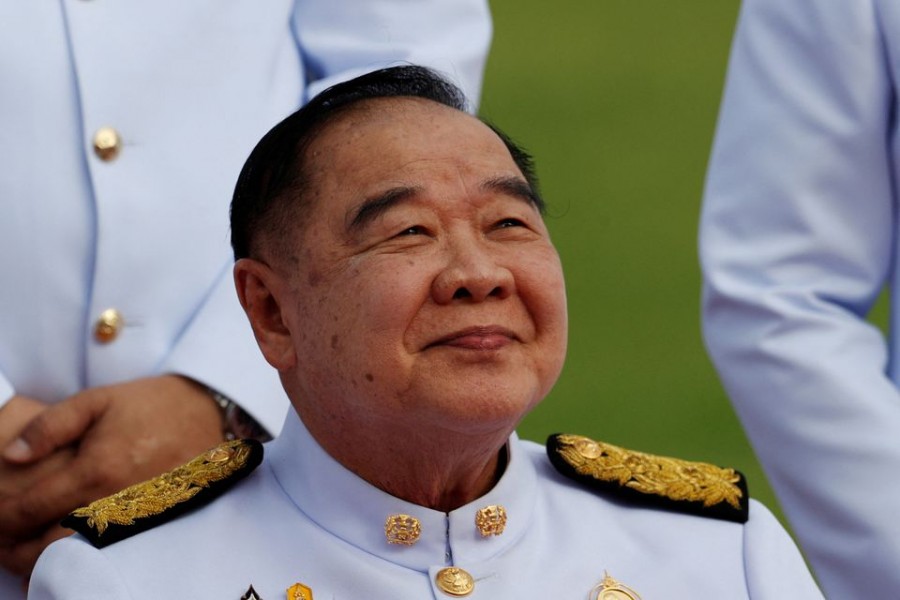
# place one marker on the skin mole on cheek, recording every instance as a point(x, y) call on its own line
point(370, 377)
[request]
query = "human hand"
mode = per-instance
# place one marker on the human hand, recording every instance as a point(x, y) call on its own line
point(121, 434)
point(15, 415)
point(15, 479)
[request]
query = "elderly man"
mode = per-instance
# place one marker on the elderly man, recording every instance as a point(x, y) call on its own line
point(396, 270)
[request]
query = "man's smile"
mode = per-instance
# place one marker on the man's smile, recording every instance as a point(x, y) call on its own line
point(479, 337)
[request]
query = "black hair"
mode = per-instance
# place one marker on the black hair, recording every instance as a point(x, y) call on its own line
point(276, 164)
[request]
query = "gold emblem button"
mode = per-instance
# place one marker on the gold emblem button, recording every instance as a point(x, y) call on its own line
point(588, 448)
point(298, 591)
point(454, 581)
point(610, 589)
point(491, 520)
point(220, 454)
point(107, 143)
point(402, 529)
point(108, 326)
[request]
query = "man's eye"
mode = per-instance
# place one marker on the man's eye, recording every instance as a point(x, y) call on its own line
point(414, 230)
point(510, 222)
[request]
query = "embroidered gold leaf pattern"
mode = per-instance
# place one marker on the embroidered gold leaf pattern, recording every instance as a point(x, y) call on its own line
point(160, 493)
point(667, 477)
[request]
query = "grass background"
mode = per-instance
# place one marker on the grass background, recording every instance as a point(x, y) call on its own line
point(617, 101)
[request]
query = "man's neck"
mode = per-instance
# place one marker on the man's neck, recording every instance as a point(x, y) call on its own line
point(439, 471)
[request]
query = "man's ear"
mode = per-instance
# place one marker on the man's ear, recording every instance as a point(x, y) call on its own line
point(262, 293)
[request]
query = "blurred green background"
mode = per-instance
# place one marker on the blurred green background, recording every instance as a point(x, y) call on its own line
point(617, 101)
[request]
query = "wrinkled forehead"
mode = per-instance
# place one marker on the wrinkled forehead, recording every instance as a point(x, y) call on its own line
point(389, 137)
point(397, 113)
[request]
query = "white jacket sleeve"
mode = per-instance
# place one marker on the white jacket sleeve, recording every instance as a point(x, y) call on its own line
point(797, 240)
point(218, 349)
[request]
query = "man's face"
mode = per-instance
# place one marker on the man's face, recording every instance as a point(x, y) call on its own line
point(424, 286)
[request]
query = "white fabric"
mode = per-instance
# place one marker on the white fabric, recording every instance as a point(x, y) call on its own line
point(798, 236)
point(190, 85)
point(301, 517)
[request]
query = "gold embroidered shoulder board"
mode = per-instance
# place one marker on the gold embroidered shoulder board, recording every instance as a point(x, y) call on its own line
point(669, 483)
point(161, 499)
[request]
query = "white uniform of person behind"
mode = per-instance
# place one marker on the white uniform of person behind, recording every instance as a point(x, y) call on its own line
point(799, 235)
point(181, 90)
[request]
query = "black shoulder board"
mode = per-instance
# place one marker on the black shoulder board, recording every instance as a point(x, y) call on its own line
point(668, 483)
point(162, 499)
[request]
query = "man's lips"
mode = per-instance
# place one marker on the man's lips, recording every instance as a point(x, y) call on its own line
point(489, 337)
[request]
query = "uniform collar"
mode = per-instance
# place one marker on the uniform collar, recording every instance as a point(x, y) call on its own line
point(355, 511)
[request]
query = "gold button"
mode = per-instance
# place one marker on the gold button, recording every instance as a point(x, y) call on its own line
point(220, 454)
point(588, 448)
point(453, 581)
point(108, 326)
point(107, 143)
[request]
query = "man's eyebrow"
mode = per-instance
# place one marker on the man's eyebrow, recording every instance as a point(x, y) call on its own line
point(515, 187)
point(373, 207)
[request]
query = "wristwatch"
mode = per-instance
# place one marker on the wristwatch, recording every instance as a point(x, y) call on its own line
point(237, 423)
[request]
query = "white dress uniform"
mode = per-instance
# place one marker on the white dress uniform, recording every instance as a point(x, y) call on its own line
point(798, 237)
point(123, 126)
point(302, 518)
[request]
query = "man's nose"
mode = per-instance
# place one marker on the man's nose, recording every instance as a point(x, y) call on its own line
point(472, 274)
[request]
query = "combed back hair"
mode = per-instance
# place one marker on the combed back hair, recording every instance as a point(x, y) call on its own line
point(272, 184)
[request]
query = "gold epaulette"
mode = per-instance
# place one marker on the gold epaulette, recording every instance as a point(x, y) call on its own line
point(161, 499)
point(669, 483)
